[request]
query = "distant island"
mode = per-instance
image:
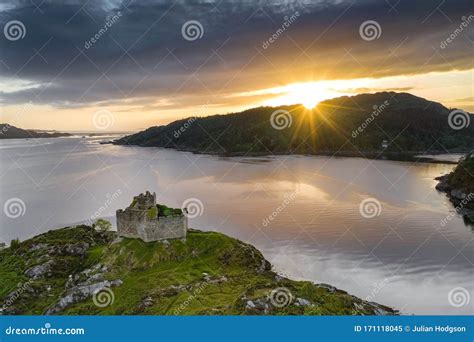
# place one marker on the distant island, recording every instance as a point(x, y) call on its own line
point(367, 125)
point(90, 270)
point(11, 132)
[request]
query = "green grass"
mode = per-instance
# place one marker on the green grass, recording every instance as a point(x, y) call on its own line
point(152, 270)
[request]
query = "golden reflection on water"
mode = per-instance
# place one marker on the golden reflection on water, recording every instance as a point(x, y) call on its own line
point(317, 232)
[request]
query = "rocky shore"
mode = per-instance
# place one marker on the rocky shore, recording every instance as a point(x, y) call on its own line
point(459, 187)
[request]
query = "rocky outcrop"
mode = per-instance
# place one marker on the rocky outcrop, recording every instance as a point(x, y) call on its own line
point(40, 271)
point(459, 187)
point(268, 304)
point(456, 194)
point(72, 249)
point(80, 293)
point(83, 285)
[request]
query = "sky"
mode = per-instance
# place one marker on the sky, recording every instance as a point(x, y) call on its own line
point(124, 65)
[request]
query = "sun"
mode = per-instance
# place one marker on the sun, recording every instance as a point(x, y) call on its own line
point(308, 94)
point(309, 103)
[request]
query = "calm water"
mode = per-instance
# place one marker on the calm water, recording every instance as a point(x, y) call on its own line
point(403, 258)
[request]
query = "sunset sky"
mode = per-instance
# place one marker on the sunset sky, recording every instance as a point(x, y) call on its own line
point(146, 69)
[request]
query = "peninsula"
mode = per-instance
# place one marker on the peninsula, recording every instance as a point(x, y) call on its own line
point(11, 132)
point(94, 271)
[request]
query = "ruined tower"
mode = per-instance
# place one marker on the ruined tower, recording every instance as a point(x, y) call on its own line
point(146, 220)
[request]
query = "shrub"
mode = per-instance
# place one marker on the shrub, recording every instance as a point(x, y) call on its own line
point(15, 244)
point(102, 225)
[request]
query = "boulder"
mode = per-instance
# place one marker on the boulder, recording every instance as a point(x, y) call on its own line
point(80, 293)
point(39, 271)
point(250, 305)
point(302, 302)
point(328, 287)
point(37, 247)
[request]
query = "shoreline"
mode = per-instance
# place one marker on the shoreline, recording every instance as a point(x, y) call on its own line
point(458, 185)
point(412, 156)
point(462, 202)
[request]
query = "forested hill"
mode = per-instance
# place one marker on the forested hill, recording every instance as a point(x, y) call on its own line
point(11, 132)
point(362, 122)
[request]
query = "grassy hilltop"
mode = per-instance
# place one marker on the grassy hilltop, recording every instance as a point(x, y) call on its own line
point(80, 270)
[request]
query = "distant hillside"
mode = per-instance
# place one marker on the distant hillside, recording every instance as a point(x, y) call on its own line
point(362, 122)
point(11, 132)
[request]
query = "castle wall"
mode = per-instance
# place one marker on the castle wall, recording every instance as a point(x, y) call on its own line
point(135, 224)
point(173, 227)
point(131, 223)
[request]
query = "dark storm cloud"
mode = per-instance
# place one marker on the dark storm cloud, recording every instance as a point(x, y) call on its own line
point(143, 53)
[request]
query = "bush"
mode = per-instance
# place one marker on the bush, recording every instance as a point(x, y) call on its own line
point(15, 244)
point(163, 210)
point(102, 225)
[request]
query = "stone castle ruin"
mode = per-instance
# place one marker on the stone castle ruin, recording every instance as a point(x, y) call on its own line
point(149, 221)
